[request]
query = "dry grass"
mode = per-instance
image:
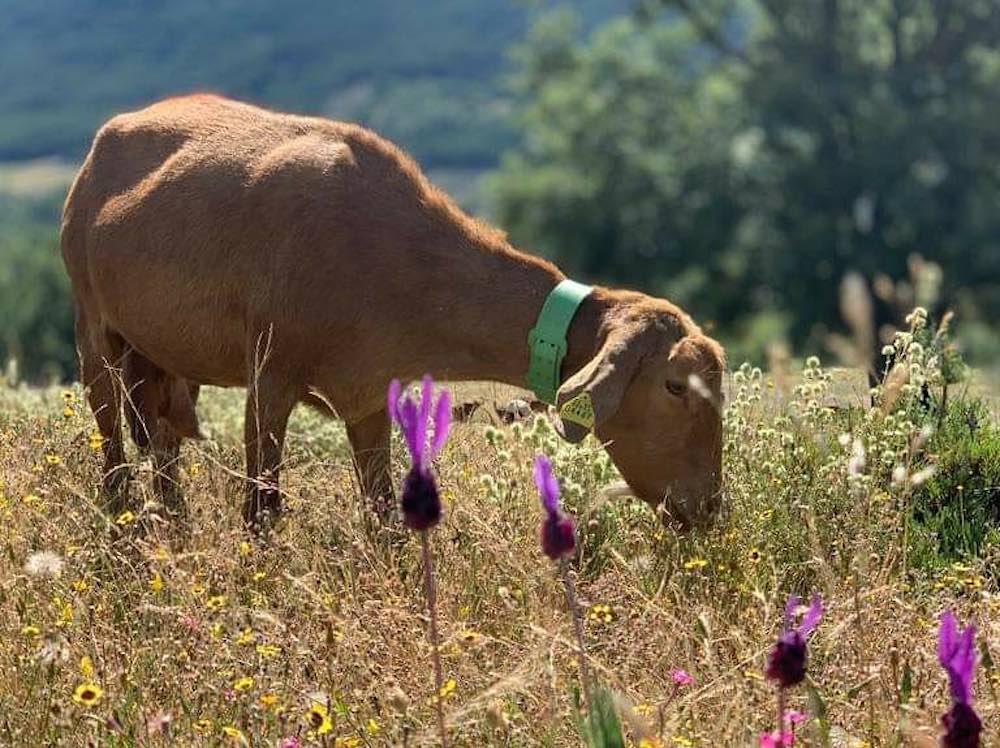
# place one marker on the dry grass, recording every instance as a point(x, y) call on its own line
point(194, 633)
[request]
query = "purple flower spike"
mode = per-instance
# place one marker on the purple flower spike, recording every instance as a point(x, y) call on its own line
point(957, 655)
point(557, 532)
point(420, 501)
point(787, 661)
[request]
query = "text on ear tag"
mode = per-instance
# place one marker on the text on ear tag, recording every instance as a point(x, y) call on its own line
point(579, 409)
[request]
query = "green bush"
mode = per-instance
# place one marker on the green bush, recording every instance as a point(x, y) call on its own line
point(957, 510)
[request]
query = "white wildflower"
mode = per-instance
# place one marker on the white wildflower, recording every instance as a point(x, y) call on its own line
point(856, 465)
point(53, 652)
point(44, 564)
point(922, 476)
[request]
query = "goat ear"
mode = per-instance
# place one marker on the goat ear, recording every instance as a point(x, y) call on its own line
point(593, 395)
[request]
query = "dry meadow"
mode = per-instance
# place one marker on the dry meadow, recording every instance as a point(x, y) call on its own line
point(138, 629)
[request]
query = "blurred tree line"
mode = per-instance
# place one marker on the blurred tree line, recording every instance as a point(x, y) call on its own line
point(422, 73)
point(743, 156)
point(36, 332)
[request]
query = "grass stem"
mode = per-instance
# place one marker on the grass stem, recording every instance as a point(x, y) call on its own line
point(431, 593)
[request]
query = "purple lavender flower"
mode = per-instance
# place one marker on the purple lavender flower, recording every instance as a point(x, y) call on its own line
point(421, 504)
point(787, 661)
point(957, 655)
point(557, 534)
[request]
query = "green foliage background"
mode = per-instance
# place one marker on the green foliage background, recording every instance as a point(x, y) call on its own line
point(743, 156)
point(737, 156)
point(424, 73)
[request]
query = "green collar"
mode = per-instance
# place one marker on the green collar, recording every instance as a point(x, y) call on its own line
point(547, 340)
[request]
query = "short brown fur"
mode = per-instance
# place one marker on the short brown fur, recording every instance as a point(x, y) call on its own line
point(213, 242)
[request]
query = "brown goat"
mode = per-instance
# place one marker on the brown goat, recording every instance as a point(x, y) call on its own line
point(212, 242)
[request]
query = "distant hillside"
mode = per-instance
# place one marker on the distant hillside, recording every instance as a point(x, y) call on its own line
point(424, 73)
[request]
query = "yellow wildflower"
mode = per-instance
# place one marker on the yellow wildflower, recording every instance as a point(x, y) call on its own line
point(268, 650)
point(695, 563)
point(96, 440)
point(242, 684)
point(86, 667)
point(216, 601)
point(203, 726)
point(65, 615)
point(259, 575)
point(268, 699)
point(601, 613)
point(245, 637)
point(53, 459)
point(233, 733)
point(125, 518)
point(318, 718)
point(81, 585)
point(87, 694)
point(372, 726)
point(448, 688)
point(349, 741)
point(156, 582)
point(30, 630)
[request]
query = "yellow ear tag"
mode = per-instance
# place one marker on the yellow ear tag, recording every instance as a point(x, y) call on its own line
point(580, 410)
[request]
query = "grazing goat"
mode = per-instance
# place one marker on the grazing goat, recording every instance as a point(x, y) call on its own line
point(213, 242)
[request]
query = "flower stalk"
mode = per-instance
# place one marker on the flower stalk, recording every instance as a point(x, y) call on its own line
point(430, 592)
point(420, 501)
point(574, 609)
point(557, 535)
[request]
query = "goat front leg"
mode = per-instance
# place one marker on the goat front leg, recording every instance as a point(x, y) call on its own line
point(269, 404)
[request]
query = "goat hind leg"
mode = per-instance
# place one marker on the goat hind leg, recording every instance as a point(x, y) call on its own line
point(100, 354)
point(369, 439)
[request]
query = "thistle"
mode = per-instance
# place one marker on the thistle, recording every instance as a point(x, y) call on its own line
point(419, 501)
point(957, 655)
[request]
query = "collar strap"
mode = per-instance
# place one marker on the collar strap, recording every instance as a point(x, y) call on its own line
point(547, 341)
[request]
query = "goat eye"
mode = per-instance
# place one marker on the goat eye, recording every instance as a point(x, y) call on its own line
point(675, 388)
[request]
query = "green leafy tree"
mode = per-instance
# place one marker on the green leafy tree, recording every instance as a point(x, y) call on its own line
point(743, 156)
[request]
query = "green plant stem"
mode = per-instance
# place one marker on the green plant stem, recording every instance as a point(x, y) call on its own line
point(574, 610)
point(431, 593)
point(781, 717)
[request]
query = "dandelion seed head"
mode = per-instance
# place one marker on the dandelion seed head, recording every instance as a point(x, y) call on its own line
point(44, 564)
